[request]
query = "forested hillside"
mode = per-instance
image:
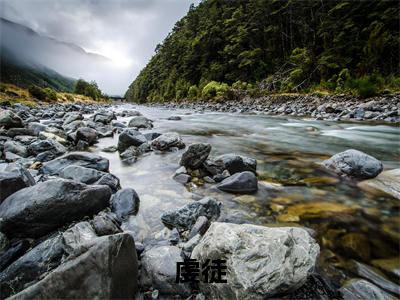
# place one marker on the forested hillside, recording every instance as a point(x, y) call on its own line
point(274, 46)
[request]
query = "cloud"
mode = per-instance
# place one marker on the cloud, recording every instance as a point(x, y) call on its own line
point(126, 31)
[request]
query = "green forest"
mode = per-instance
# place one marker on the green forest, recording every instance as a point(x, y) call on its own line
point(273, 46)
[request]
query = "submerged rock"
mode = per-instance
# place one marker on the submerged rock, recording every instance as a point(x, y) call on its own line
point(42, 208)
point(185, 217)
point(195, 155)
point(261, 261)
point(244, 182)
point(111, 261)
point(355, 164)
point(386, 183)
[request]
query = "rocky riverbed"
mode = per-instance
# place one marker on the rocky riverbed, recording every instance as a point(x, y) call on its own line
point(333, 107)
point(101, 201)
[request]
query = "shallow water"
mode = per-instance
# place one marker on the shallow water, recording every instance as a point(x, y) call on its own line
point(288, 152)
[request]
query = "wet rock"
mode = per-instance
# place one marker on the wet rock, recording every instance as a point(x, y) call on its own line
point(152, 135)
point(78, 238)
point(41, 146)
point(130, 137)
point(53, 136)
point(104, 117)
point(27, 269)
point(168, 140)
point(125, 202)
point(159, 270)
point(16, 148)
point(261, 262)
point(86, 134)
point(13, 132)
point(200, 227)
point(109, 180)
point(71, 117)
point(42, 208)
point(235, 163)
point(4, 242)
point(111, 261)
point(386, 183)
point(244, 182)
point(355, 245)
point(174, 118)
point(358, 289)
point(36, 127)
point(106, 223)
point(355, 164)
point(389, 265)
point(81, 174)
point(140, 122)
point(195, 155)
point(185, 217)
point(13, 177)
point(110, 149)
point(9, 120)
point(130, 154)
point(13, 252)
point(83, 159)
point(182, 178)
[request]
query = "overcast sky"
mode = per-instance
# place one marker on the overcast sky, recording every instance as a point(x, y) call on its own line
point(126, 31)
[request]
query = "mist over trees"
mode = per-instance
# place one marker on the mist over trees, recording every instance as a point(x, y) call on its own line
point(274, 45)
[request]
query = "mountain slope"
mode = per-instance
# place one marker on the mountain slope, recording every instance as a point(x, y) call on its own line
point(294, 44)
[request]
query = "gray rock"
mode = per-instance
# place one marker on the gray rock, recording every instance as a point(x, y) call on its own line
point(111, 261)
point(81, 174)
point(78, 238)
point(130, 137)
point(109, 180)
point(159, 270)
point(13, 132)
point(360, 289)
point(387, 182)
point(13, 177)
point(235, 163)
point(9, 120)
point(42, 208)
point(182, 178)
point(191, 243)
point(174, 118)
point(50, 145)
point(140, 122)
point(261, 261)
point(185, 217)
point(86, 134)
point(13, 252)
point(110, 149)
point(200, 227)
point(83, 159)
point(152, 135)
point(355, 164)
point(195, 155)
point(16, 148)
point(125, 202)
point(130, 154)
point(36, 127)
point(168, 140)
point(27, 269)
point(104, 117)
point(106, 223)
point(244, 182)
point(71, 117)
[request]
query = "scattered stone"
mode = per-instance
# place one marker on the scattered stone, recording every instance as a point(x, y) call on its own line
point(81, 174)
point(235, 163)
point(195, 155)
point(78, 238)
point(110, 149)
point(106, 223)
point(13, 177)
point(357, 289)
point(168, 140)
point(244, 182)
point(130, 137)
point(9, 120)
point(140, 122)
point(86, 134)
point(125, 202)
point(13, 252)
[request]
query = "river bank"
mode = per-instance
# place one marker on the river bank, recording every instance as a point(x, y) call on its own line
point(154, 185)
point(384, 108)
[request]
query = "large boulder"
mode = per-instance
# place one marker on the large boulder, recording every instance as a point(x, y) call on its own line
point(50, 145)
point(261, 261)
point(244, 182)
point(42, 208)
point(16, 148)
point(168, 140)
point(9, 120)
point(72, 117)
point(83, 159)
point(104, 117)
point(86, 134)
point(354, 164)
point(130, 137)
point(386, 183)
point(159, 270)
point(185, 217)
point(27, 269)
point(236, 163)
point(108, 270)
point(125, 202)
point(140, 122)
point(81, 174)
point(13, 177)
point(195, 155)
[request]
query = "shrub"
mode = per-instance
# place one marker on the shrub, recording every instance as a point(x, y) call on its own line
point(88, 89)
point(364, 87)
point(193, 92)
point(50, 94)
point(37, 92)
point(69, 97)
point(215, 90)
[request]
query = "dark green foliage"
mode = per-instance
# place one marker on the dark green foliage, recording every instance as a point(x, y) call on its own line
point(290, 45)
point(44, 94)
point(85, 88)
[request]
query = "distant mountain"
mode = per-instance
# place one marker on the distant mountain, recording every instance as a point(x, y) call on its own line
point(30, 58)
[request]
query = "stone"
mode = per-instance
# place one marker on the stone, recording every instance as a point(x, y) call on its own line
point(42, 208)
point(110, 149)
point(36, 127)
point(13, 252)
point(109, 180)
point(9, 120)
point(83, 159)
point(78, 238)
point(195, 155)
point(386, 183)
point(71, 117)
point(168, 140)
point(130, 137)
point(130, 154)
point(235, 163)
point(106, 223)
point(104, 117)
point(50, 145)
point(81, 174)
point(16, 148)
point(42, 258)
point(86, 134)
point(354, 164)
point(152, 135)
point(355, 245)
point(159, 270)
point(200, 227)
point(359, 289)
point(389, 265)
point(48, 135)
point(13, 132)
point(262, 262)
point(244, 182)
point(185, 217)
point(174, 118)
point(13, 177)
point(140, 122)
point(111, 261)
point(125, 202)
point(191, 243)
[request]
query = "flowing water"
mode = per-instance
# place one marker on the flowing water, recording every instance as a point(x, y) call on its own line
point(288, 152)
